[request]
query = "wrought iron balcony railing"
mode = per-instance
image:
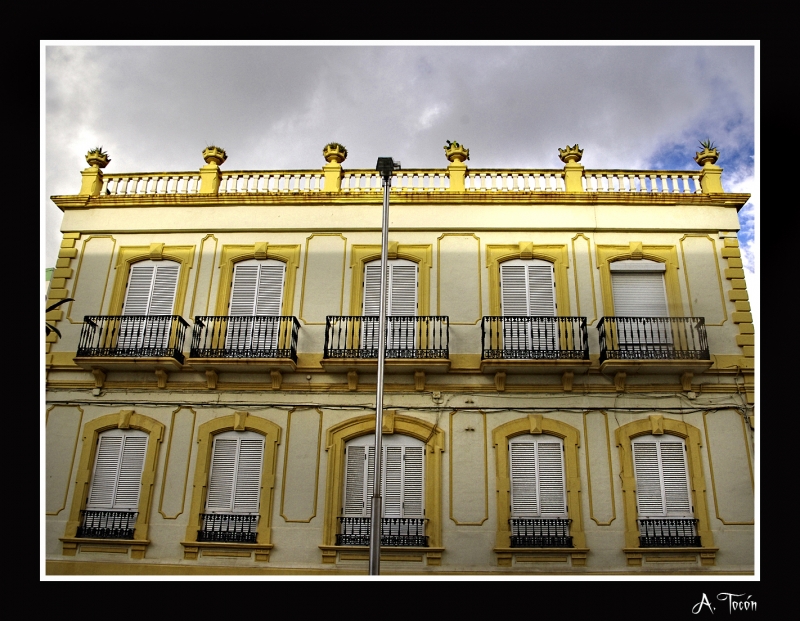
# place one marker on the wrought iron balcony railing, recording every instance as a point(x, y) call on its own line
point(107, 524)
point(534, 338)
point(396, 532)
point(245, 337)
point(406, 337)
point(540, 533)
point(668, 533)
point(653, 338)
point(228, 527)
point(133, 336)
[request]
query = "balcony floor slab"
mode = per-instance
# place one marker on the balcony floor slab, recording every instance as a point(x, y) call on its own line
point(242, 365)
point(659, 367)
point(392, 365)
point(537, 367)
point(112, 363)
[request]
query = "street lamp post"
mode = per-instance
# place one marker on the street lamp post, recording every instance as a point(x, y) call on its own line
point(386, 166)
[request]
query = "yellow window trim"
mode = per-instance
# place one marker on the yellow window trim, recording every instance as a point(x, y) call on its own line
point(418, 253)
point(555, 254)
point(239, 421)
point(537, 424)
point(124, 419)
point(662, 254)
point(128, 255)
point(232, 254)
point(657, 424)
point(338, 436)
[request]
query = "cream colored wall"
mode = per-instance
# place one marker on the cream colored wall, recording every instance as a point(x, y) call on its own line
point(469, 519)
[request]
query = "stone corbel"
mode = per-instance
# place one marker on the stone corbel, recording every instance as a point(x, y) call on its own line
point(211, 379)
point(566, 380)
point(277, 378)
point(686, 381)
point(99, 377)
point(419, 381)
point(352, 380)
point(500, 381)
point(161, 378)
point(619, 381)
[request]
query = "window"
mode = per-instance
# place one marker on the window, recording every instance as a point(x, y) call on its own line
point(234, 488)
point(639, 296)
point(402, 490)
point(151, 290)
point(257, 295)
point(527, 289)
point(111, 508)
point(663, 496)
point(538, 493)
point(401, 303)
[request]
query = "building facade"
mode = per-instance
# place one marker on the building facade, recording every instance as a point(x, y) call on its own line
point(568, 389)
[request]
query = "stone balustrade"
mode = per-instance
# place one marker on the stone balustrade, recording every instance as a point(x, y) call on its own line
point(653, 181)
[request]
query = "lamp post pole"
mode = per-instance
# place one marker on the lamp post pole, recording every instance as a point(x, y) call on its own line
point(386, 166)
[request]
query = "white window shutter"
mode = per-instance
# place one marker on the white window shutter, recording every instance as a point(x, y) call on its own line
point(234, 482)
point(369, 481)
point(403, 288)
point(222, 475)
point(649, 494)
point(393, 481)
point(541, 293)
point(247, 485)
point(270, 288)
point(676, 479)
point(354, 478)
point(639, 294)
point(527, 290)
point(552, 490)
point(514, 290)
point(413, 481)
point(243, 290)
point(140, 286)
point(524, 496)
point(538, 487)
point(372, 289)
point(117, 476)
point(165, 285)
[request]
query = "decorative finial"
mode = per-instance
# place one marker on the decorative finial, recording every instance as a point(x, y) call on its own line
point(214, 155)
point(456, 152)
point(97, 157)
point(709, 154)
point(570, 154)
point(334, 152)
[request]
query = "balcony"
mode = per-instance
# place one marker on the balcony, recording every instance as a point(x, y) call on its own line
point(540, 533)
point(412, 343)
point(654, 344)
point(668, 533)
point(228, 527)
point(131, 342)
point(395, 532)
point(107, 524)
point(262, 343)
point(539, 344)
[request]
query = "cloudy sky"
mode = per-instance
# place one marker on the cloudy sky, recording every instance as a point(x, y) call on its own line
point(156, 107)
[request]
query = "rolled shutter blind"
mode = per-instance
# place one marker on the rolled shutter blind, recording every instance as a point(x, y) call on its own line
point(639, 294)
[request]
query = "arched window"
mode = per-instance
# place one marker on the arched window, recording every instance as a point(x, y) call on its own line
point(402, 491)
point(113, 502)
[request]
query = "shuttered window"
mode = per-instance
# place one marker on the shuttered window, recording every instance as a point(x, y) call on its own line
point(256, 291)
point(401, 301)
point(117, 475)
point(402, 483)
point(234, 481)
point(662, 477)
point(639, 291)
point(151, 290)
point(537, 477)
point(527, 288)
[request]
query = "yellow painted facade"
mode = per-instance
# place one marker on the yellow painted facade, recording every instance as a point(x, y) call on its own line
point(460, 390)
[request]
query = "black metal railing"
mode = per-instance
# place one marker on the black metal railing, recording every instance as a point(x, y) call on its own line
point(534, 338)
point(668, 533)
point(653, 338)
point(406, 337)
point(245, 337)
point(540, 533)
point(133, 336)
point(107, 524)
point(396, 532)
point(228, 527)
